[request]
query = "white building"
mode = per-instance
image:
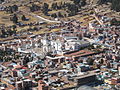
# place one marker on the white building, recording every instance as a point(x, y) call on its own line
point(58, 46)
point(119, 70)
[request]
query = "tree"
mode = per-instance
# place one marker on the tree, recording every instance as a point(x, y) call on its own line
point(101, 61)
point(45, 8)
point(14, 27)
point(10, 32)
point(76, 2)
point(60, 6)
point(23, 18)
point(83, 3)
point(3, 33)
point(115, 5)
point(54, 6)
point(1, 1)
point(114, 21)
point(103, 1)
point(59, 14)
point(14, 19)
point(92, 12)
point(54, 15)
point(34, 7)
point(14, 8)
point(72, 9)
point(90, 61)
point(9, 9)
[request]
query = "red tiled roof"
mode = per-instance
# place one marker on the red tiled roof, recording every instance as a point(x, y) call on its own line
point(80, 53)
point(24, 68)
point(18, 66)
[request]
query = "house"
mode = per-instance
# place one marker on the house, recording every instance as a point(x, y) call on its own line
point(85, 79)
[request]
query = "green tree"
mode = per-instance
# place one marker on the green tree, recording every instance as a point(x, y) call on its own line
point(90, 61)
point(14, 8)
point(72, 9)
point(23, 18)
point(45, 8)
point(10, 32)
point(34, 7)
point(59, 14)
point(115, 5)
point(1, 1)
point(54, 15)
point(14, 19)
point(103, 1)
point(76, 2)
point(54, 6)
point(83, 2)
point(3, 33)
point(114, 21)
